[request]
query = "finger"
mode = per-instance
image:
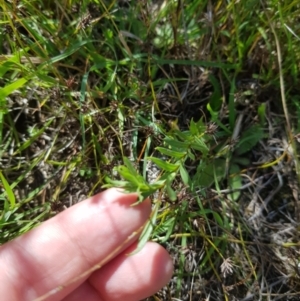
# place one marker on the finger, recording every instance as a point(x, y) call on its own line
point(65, 246)
point(134, 277)
point(84, 292)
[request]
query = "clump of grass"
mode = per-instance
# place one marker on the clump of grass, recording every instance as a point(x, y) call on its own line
point(178, 100)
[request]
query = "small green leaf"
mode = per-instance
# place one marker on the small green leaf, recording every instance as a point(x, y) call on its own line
point(191, 155)
point(184, 175)
point(183, 136)
point(170, 153)
point(177, 144)
point(171, 193)
point(217, 217)
point(10, 195)
point(114, 183)
point(169, 227)
point(129, 165)
point(261, 112)
point(146, 233)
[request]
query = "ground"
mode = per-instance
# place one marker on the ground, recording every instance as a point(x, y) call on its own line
point(192, 103)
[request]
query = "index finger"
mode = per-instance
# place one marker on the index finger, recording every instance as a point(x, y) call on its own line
point(69, 244)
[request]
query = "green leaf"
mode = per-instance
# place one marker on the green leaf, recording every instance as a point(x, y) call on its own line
point(167, 226)
point(127, 175)
point(184, 175)
point(177, 144)
point(200, 145)
point(147, 231)
point(183, 136)
point(171, 193)
point(10, 195)
point(69, 51)
point(191, 155)
point(249, 139)
point(235, 182)
point(166, 166)
point(170, 153)
point(193, 128)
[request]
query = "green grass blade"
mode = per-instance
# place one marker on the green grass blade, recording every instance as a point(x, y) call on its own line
point(10, 195)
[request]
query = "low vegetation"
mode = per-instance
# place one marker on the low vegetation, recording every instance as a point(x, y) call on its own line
point(194, 104)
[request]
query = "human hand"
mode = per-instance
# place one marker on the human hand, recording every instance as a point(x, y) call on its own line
point(46, 260)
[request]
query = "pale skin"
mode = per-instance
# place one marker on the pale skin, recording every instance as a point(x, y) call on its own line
point(98, 230)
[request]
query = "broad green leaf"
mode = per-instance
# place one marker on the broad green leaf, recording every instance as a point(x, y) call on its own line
point(127, 175)
point(249, 139)
point(200, 145)
point(215, 100)
point(171, 193)
point(183, 136)
point(146, 233)
point(170, 153)
point(114, 183)
point(197, 128)
point(191, 155)
point(129, 165)
point(193, 128)
point(166, 166)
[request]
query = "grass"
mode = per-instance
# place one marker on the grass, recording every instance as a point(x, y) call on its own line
point(192, 103)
